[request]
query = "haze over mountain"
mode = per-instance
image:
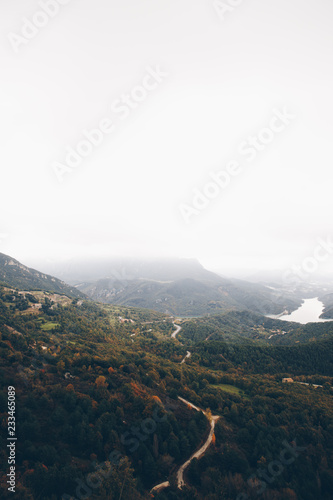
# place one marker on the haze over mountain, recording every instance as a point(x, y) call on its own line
point(78, 270)
point(175, 286)
point(86, 374)
point(180, 287)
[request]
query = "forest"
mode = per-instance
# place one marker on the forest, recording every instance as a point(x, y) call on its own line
point(98, 414)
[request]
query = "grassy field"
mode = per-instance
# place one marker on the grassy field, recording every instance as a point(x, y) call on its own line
point(228, 388)
point(49, 326)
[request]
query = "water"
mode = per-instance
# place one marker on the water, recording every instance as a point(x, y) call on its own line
point(309, 312)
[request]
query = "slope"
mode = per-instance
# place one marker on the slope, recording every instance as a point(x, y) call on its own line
point(15, 274)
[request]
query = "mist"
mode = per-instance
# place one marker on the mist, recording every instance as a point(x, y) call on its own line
point(167, 130)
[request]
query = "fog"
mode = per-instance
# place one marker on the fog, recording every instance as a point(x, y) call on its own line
point(169, 96)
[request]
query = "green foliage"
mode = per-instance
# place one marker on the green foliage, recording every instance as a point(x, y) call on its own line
point(14, 274)
point(69, 424)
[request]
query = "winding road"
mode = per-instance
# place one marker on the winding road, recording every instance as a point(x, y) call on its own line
point(188, 355)
point(197, 454)
point(175, 333)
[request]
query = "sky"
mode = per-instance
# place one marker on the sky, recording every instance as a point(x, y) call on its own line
point(164, 128)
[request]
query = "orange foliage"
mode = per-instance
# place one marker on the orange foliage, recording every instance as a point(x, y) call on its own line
point(137, 391)
point(213, 439)
point(101, 381)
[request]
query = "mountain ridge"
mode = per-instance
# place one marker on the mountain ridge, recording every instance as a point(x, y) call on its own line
point(15, 274)
point(180, 287)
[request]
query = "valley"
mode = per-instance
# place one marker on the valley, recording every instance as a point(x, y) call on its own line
point(148, 404)
point(178, 287)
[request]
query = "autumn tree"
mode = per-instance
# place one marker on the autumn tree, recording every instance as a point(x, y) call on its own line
point(101, 382)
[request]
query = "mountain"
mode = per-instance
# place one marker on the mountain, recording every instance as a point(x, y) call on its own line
point(187, 297)
point(126, 269)
point(181, 287)
point(298, 289)
point(327, 300)
point(14, 274)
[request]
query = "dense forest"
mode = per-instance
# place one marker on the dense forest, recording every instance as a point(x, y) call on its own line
point(249, 327)
point(98, 414)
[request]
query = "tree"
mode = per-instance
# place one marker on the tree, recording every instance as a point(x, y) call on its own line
point(101, 382)
point(213, 439)
point(119, 483)
point(209, 414)
point(60, 366)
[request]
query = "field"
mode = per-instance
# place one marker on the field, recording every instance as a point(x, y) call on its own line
point(49, 326)
point(231, 389)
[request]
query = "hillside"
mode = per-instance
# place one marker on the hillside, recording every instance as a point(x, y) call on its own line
point(186, 297)
point(327, 299)
point(179, 287)
point(15, 274)
point(96, 381)
point(248, 327)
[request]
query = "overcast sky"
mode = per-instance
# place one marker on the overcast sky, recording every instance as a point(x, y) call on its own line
point(200, 85)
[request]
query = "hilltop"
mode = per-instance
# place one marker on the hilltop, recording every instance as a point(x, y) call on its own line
point(14, 274)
